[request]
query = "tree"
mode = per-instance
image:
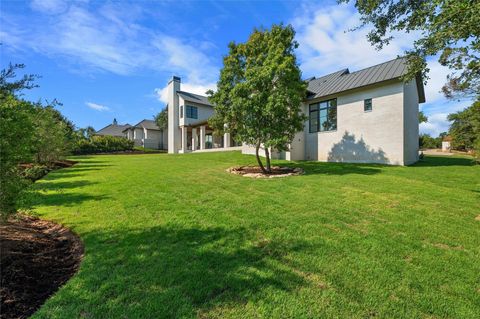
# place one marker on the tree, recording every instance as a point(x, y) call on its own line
point(28, 132)
point(16, 137)
point(162, 118)
point(448, 28)
point(465, 127)
point(428, 142)
point(422, 118)
point(260, 90)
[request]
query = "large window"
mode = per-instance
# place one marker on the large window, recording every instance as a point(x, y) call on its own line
point(323, 116)
point(192, 112)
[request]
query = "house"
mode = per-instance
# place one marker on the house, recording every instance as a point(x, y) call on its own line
point(147, 134)
point(113, 129)
point(366, 116)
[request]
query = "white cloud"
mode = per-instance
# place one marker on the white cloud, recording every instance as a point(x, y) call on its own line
point(49, 6)
point(107, 37)
point(326, 45)
point(162, 93)
point(97, 107)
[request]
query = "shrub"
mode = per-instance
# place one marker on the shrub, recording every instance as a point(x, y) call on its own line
point(35, 172)
point(102, 144)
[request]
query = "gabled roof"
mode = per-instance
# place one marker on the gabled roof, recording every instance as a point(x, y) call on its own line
point(187, 96)
point(113, 130)
point(148, 124)
point(343, 80)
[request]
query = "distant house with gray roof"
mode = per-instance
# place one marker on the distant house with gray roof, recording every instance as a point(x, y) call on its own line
point(366, 116)
point(146, 133)
point(113, 129)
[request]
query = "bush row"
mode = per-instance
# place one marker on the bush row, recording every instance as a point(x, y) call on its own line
point(102, 144)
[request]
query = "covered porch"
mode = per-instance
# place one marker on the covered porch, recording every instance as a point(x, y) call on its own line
point(200, 137)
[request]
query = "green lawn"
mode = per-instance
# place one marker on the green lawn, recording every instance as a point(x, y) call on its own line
point(177, 236)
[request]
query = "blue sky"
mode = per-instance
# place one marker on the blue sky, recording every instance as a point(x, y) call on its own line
point(111, 59)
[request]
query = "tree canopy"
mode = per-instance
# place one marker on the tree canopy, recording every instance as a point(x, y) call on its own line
point(260, 90)
point(447, 28)
point(465, 128)
point(162, 118)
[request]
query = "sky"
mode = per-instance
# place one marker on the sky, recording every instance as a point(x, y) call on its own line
point(113, 59)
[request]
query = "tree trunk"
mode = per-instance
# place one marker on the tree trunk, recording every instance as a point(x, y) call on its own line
point(257, 148)
point(267, 160)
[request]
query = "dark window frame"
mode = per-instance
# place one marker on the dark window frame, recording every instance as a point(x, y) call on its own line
point(191, 112)
point(323, 116)
point(367, 105)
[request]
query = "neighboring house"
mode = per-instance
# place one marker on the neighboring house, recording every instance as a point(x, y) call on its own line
point(113, 129)
point(367, 116)
point(147, 134)
point(446, 144)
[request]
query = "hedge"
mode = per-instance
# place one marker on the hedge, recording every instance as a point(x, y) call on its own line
point(102, 144)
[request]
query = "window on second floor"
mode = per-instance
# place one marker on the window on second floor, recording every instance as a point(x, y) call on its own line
point(192, 112)
point(323, 116)
point(181, 111)
point(367, 105)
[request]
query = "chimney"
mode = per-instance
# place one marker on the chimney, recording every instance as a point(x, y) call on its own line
point(173, 114)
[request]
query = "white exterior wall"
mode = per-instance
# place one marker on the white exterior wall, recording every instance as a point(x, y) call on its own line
point(410, 123)
point(388, 134)
point(152, 139)
point(362, 137)
point(204, 113)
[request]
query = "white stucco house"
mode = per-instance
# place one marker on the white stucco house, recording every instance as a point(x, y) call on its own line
point(147, 134)
point(366, 116)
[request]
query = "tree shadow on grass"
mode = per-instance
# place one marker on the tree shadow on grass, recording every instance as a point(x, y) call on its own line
point(312, 168)
point(49, 185)
point(435, 161)
point(34, 198)
point(172, 272)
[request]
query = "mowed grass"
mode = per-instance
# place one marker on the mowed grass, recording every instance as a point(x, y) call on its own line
point(175, 236)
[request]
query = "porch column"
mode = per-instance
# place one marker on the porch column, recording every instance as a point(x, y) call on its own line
point(226, 138)
point(184, 139)
point(202, 137)
point(194, 139)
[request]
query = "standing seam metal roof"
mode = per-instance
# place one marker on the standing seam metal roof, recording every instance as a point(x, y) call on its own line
point(194, 97)
point(343, 80)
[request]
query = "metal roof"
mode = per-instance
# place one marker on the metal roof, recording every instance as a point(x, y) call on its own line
point(194, 97)
point(343, 80)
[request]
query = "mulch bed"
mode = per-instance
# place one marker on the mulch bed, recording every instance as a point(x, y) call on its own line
point(256, 171)
point(36, 258)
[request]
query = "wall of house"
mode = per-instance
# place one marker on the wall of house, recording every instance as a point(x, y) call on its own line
point(363, 137)
point(376, 136)
point(152, 139)
point(410, 122)
point(204, 113)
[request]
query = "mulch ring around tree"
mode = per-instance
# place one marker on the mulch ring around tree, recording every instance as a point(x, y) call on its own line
point(256, 171)
point(36, 258)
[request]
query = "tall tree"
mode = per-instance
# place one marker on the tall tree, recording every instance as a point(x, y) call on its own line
point(448, 28)
point(162, 119)
point(465, 127)
point(259, 94)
